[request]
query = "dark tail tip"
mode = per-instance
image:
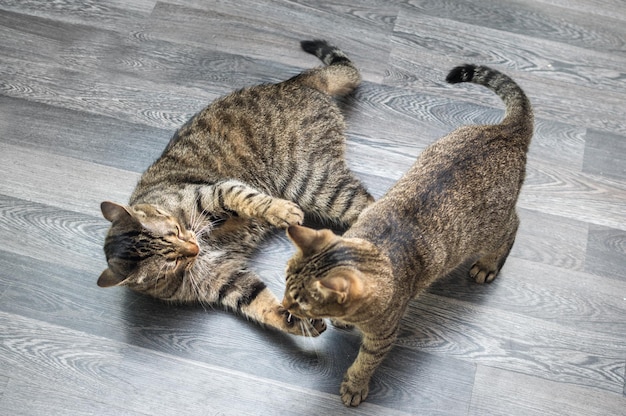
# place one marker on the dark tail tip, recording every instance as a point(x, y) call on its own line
point(312, 46)
point(463, 73)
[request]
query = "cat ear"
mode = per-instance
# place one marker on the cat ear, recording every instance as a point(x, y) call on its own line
point(113, 211)
point(343, 286)
point(309, 240)
point(108, 279)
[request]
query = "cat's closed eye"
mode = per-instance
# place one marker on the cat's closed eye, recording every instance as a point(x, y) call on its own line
point(177, 232)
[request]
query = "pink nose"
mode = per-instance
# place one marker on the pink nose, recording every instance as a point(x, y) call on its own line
point(191, 249)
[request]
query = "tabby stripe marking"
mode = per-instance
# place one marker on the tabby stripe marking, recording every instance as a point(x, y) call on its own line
point(251, 294)
point(229, 286)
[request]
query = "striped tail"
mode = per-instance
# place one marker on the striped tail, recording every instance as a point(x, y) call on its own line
point(338, 77)
point(327, 53)
point(518, 108)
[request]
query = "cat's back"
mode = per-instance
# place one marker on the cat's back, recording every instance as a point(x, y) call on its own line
point(472, 171)
point(249, 134)
point(269, 116)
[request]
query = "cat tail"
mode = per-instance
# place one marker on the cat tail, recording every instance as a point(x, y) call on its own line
point(518, 108)
point(330, 55)
point(338, 77)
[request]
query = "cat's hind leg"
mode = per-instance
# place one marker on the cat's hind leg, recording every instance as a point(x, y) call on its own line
point(486, 268)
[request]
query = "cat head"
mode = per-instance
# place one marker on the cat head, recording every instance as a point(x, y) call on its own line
point(144, 243)
point(329, 276)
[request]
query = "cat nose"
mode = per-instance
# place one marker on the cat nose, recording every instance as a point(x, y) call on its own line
point(191, 250)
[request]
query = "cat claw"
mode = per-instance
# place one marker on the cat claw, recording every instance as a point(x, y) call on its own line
point(284, 213)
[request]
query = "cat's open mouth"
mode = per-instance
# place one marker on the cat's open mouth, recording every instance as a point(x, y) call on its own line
point(317, 326)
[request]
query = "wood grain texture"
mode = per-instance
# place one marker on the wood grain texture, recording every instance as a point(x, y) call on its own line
point(605, 154)
point(524, 395)
point(539, 20)
point(91, 92)
point(606, 248)
point(560, 71)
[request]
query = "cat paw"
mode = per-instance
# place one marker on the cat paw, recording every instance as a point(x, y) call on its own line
point(283, 213)
point(481, 273)
point(352, 394)
point(340, 324)
point(302, 326)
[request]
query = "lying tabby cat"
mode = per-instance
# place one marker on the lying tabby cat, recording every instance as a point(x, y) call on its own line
point(457, 202)
point(249, 162)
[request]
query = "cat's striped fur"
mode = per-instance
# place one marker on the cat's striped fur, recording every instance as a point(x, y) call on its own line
point(456, 203)
point(251, 161)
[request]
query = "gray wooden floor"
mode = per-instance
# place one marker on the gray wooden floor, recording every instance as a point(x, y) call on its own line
point(90, 93)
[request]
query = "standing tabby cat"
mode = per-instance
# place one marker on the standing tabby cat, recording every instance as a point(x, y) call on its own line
point(457, 202)
point(249, 162)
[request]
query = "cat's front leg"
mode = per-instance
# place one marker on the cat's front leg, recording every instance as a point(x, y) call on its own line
point(267, 310)
point(236, 196)
point(337, 323)
point(355, 386)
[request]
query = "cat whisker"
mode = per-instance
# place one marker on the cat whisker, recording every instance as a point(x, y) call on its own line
point(309, 333)
point(160, 274)
point(205, 229)
point(195, 287)
point(198, 220)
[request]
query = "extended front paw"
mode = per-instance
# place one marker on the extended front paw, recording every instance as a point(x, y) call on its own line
point(353, 393)
point(337, 323)
point(282, 213)
point(302, 326)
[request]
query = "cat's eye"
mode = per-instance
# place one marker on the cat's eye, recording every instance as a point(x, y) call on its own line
point(177, 232)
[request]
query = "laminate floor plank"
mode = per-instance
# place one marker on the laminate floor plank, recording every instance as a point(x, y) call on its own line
point(125, 98)
point(38, 176)
point(4, 381)
point(551, 240)
point(605, 252)
point(282, 23)
point(551, 59)
point(605, 154)
point(45, 129)
point(117, 14)
point(539, 66)
point(526, 395)
point(515, 342)
point(573, 299)
point(607, 8)
point(537, 19)
point(103, 371)
point(54, 400)
point(90, 94)
point(50, 233)
point(576, 195)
